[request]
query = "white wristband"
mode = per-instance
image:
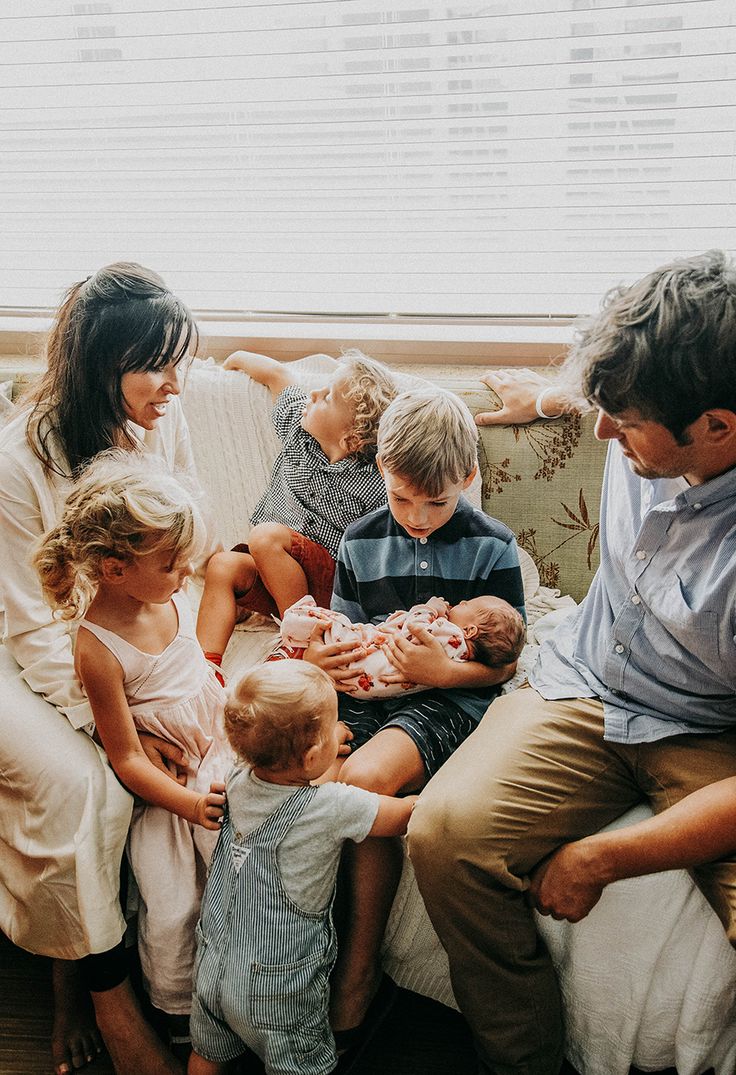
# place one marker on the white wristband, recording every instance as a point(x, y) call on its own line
point(540, 399)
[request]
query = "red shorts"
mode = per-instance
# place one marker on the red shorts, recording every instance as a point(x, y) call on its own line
point(315, 562)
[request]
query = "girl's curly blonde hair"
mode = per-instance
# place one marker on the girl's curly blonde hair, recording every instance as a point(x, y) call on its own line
point(121, 506)
point(370, 389)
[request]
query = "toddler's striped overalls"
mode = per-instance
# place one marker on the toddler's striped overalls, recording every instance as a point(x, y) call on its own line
point(262, 966)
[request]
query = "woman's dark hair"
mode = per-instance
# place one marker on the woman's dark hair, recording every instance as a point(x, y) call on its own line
point(123, 319)
point(665, 347)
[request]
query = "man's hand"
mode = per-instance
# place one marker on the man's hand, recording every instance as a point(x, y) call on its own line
point(165, 756)
point(211, 807)
point(334, 658)
point(566, 885)
point(518, 390)
point(421, 660)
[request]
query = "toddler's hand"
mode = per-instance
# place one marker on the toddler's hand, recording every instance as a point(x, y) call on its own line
point(344, 736)
point(211, 807)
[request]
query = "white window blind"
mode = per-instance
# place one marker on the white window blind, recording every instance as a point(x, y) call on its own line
point(364, 156)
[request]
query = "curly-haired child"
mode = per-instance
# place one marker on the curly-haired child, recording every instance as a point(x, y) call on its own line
point(323, 479)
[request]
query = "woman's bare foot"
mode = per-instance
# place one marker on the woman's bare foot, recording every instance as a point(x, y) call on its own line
point(75, 1039)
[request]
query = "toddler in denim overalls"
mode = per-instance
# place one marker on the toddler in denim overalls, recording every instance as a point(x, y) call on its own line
point(265, 940)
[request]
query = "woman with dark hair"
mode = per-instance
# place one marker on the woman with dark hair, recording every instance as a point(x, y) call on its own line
point(112, 380)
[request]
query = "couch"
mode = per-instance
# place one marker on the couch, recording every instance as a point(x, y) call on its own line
point(648, 978)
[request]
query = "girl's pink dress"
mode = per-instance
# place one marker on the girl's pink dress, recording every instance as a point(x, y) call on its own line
point(175, 696)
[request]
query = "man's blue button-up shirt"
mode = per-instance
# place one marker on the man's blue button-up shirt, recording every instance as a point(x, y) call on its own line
point(654, 637)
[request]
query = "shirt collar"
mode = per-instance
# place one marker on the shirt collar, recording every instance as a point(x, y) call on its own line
point(722, 487)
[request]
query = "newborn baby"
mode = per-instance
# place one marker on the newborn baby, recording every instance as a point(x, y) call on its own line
point(484, 629)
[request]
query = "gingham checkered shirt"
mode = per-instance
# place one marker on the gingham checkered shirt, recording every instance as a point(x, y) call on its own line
point(307, 492)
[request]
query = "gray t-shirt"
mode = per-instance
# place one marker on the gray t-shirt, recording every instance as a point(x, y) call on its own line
point(309, 854)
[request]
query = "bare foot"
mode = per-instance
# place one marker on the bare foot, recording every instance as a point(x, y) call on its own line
point(75, 1039)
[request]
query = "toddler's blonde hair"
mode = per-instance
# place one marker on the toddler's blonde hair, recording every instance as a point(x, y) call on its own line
point(121, 506)
point(274, 713)
point(429, 437)
point(370, 389)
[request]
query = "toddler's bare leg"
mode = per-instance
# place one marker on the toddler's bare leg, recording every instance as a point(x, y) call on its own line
point(283, 577)
point(229, 575)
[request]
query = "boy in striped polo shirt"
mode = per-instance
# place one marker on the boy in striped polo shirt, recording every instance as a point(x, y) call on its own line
point(427, 540)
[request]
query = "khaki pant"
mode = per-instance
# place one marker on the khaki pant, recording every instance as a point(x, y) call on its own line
point(534, 775)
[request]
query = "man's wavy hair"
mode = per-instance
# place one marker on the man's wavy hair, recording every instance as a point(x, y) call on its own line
point(665, 347)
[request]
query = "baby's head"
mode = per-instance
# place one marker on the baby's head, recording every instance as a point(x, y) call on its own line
point(282, 715)
point(125, 516)
point(427, 453)
point(494, 631)
point(346, 411)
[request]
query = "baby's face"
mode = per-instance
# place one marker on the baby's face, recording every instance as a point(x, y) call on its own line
point(466, 613)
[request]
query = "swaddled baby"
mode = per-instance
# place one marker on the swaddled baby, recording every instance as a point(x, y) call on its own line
point(485, 629)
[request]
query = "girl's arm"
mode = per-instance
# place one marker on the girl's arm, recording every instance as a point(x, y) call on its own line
point(102, 678)
point(267, 371)
point(393, 815)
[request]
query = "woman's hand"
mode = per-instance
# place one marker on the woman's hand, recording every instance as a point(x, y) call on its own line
point(210, 808)
point(334, 658)
point(518, 390)
point(167, 757)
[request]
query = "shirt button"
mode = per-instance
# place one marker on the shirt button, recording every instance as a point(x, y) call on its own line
point(422, 541)
point(636, 600)
point(424, 565)
point(619, 648)
point(641, 555)
point(697, 507)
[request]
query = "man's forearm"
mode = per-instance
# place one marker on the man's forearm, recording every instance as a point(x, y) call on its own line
point(700, 828)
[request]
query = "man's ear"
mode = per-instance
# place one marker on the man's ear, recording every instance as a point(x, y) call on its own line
point(471, 630)
point(720, 424)
point(113, 569)
point(468, 481)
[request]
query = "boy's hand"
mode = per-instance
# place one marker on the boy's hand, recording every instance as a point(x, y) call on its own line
point(422, 660)
point(334, 658)
point(211, 807)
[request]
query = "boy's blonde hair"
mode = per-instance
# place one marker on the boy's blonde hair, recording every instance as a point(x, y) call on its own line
point(274, 713)
point(429, 437)
point(121, 506)
point(370, 389)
